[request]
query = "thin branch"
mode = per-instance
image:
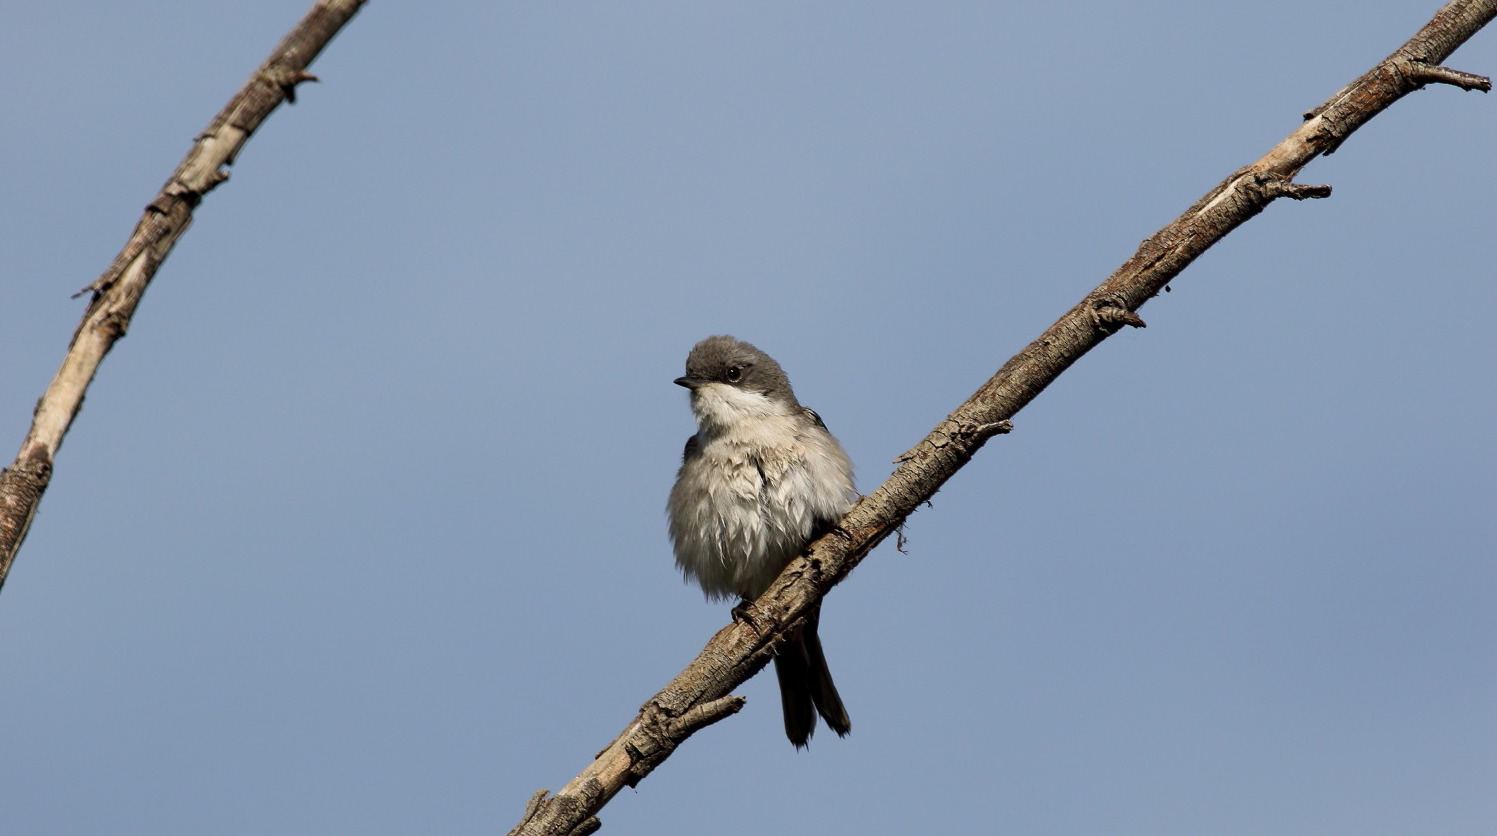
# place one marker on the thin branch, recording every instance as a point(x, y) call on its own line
point(739, 650)
point(117, 292)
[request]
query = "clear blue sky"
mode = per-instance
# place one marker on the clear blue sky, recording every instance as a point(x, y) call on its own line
point(361, 529)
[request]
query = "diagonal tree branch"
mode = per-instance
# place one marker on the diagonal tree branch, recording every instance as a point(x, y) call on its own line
point(117, 292)
point(699, 695)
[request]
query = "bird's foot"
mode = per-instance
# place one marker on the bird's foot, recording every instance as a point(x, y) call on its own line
point(747, 614)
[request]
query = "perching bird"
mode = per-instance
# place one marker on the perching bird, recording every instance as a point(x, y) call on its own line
point(759, 481)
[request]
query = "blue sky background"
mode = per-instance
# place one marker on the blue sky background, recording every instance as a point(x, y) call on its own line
point(361, 529)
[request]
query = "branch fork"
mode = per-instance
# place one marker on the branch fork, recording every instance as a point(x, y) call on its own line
point(1419, 73)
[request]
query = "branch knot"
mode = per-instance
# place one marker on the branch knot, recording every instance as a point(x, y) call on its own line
point(1111, 312)
point(1276, 185)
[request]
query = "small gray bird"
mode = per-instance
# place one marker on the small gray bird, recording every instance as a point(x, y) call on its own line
point(759, 481)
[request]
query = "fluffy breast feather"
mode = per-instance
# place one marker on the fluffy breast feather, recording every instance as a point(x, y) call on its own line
point(751, 495)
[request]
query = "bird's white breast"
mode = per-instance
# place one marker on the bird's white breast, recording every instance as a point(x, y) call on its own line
point(764, 480)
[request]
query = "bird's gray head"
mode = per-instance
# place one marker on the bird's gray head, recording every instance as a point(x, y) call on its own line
point(730, 379)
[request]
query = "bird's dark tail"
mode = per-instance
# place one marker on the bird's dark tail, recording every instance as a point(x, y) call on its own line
point(806, 687)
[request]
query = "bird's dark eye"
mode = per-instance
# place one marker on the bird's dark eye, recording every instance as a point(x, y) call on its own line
point(735, 374)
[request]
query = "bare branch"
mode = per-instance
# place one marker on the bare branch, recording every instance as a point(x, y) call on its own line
point(119, 289)
point(739, 650)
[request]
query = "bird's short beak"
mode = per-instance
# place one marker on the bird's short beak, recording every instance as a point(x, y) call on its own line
point(692, 383)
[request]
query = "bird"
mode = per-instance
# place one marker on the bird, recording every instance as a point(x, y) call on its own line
point(761, 478)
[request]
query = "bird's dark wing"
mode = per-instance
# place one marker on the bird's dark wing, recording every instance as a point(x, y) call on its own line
point(811, 413)
point(693, 449)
